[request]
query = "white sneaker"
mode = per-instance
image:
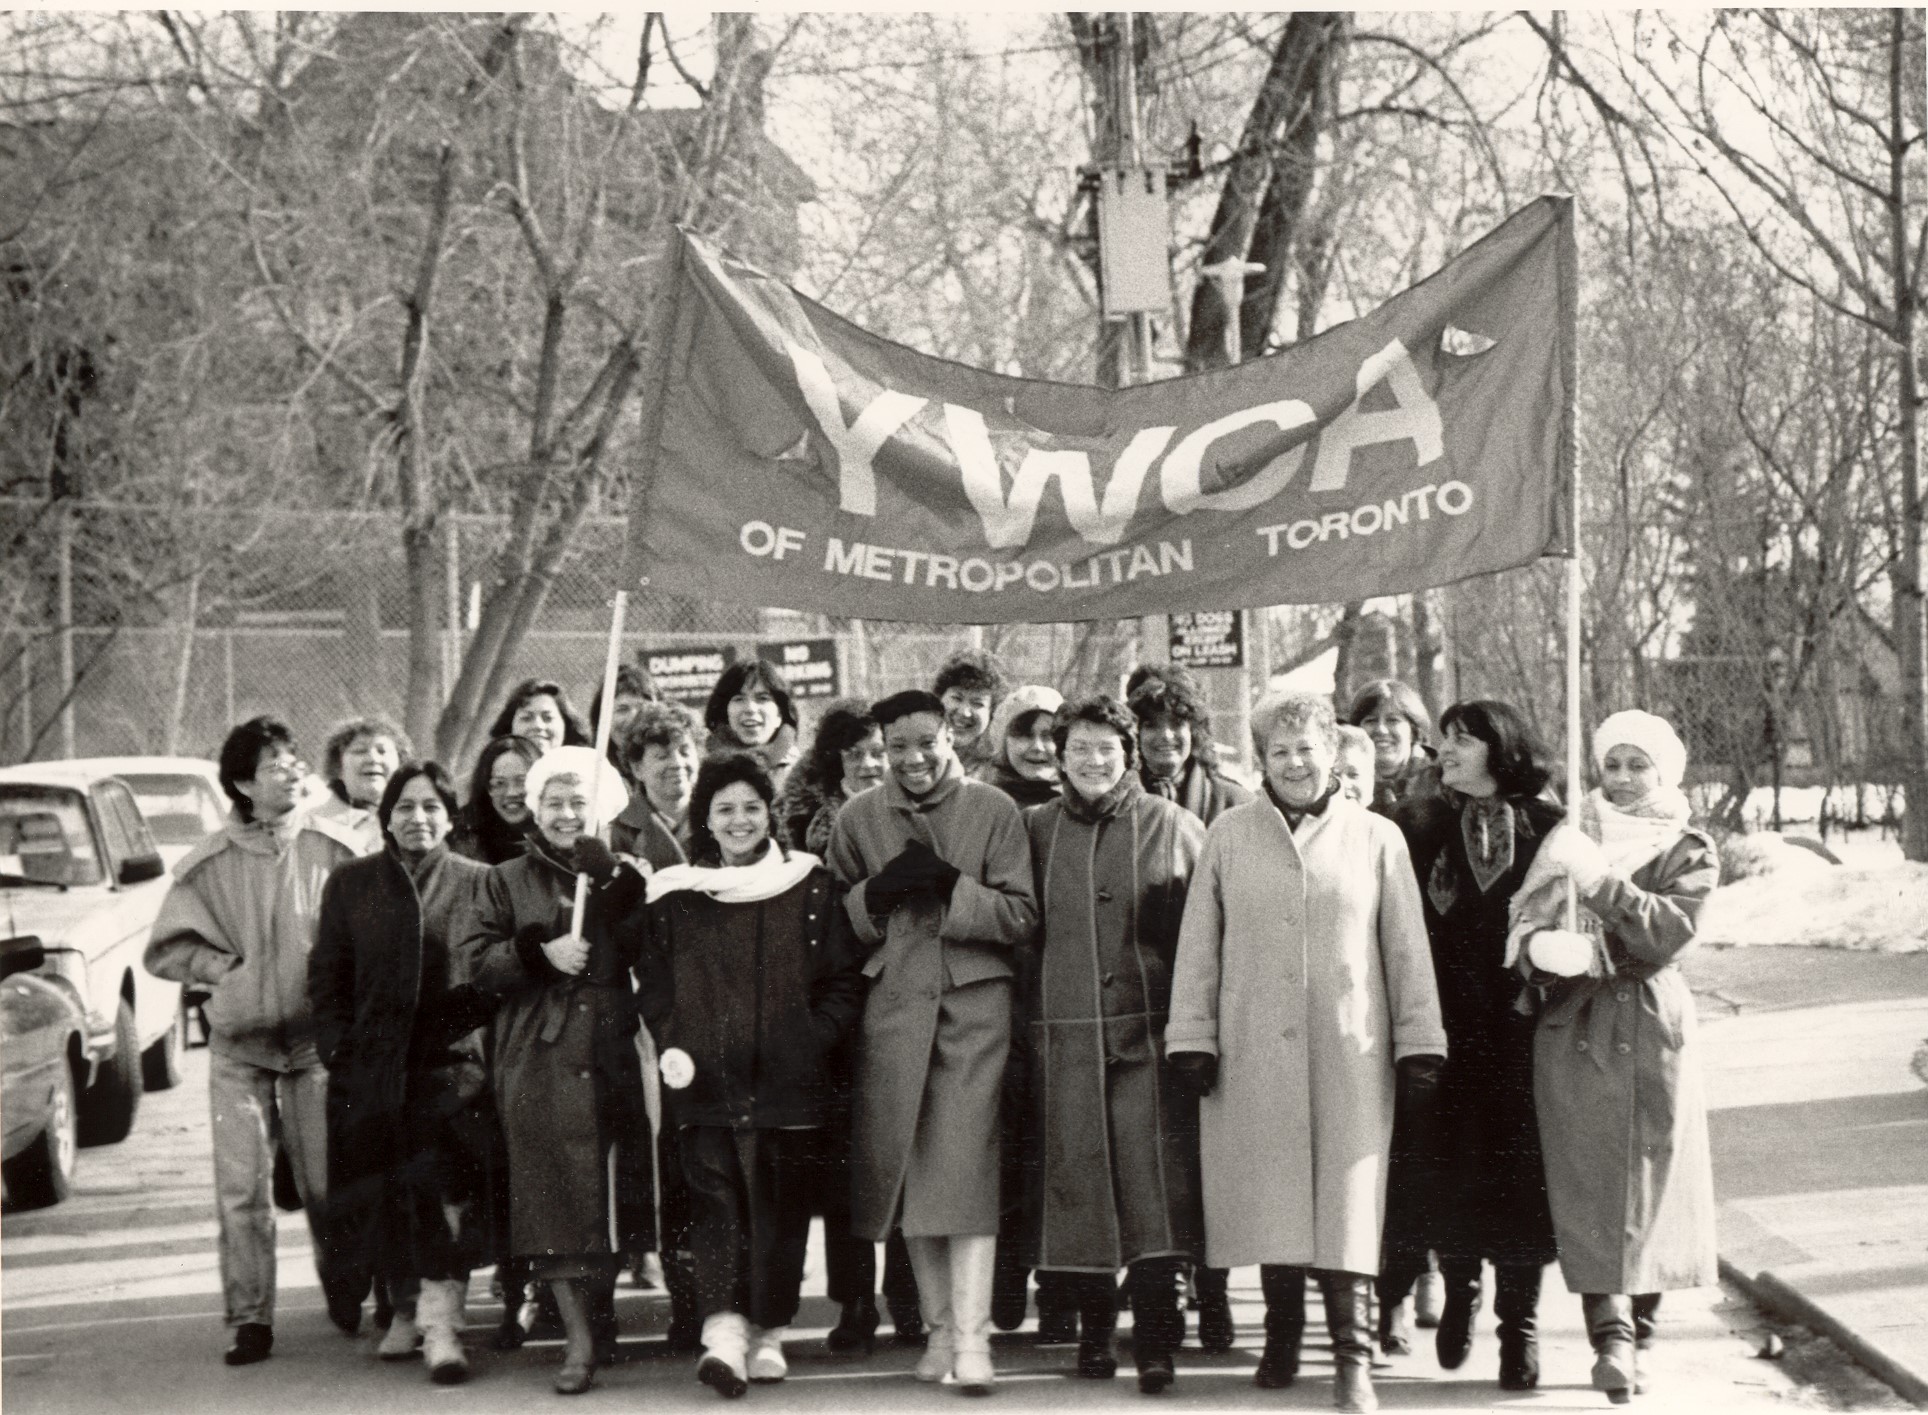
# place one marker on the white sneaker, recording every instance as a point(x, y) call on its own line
point(448, 1363)
point(766, 1354)
point(401, 1341)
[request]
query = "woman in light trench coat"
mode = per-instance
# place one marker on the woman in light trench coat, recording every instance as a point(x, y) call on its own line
point(1302, 979)
point(1616, 1067)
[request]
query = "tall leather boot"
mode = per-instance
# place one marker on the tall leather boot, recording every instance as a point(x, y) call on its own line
point(973, 1269)
point(1610, 1328)
point(1284, 1290)
point(1157, 1321)
point(1057, 1309)
point(1453, 1342)
point(1216, 1329)
point(1098, 1321)
point(930, 1259)
point(1646, 1320)
point(1348, 1308)
point(1516, 1302)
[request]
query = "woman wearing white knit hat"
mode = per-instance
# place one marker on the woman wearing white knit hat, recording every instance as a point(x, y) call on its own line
point(1617, 1086)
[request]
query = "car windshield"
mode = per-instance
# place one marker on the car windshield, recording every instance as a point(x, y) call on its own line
point(44, 835)
point(180, 809)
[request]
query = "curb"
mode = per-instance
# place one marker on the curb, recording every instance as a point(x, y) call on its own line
point(1770, 1292)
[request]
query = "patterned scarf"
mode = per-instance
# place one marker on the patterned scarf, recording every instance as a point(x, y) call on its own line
point(1294, 814)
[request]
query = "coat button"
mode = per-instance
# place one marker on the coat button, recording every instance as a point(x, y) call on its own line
point(583, 1074)
point(1624, 1048)
point(1291, 1034)
point(582, 1007)
point(1620, 996)
point(1110, 978)
point(1104, 896)
point(1580, 1046)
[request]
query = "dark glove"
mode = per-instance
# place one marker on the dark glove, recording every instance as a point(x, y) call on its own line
point(1196, 1070)
point(934, 874)
point(904, 876)
point(595, 859)
point(1415, 1097)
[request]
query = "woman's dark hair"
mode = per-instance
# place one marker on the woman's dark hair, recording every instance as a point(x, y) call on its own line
point(1162, 690)
point(745, 673)
point(843, 725)
point(632, 681)
point(973, 671)
point(1103, 710)
point(1390, 692)
point(658, 725)
point(241, 756)
point(712, 777)
point(437, 776)
point(1516, 759)
point(911, 700)
point(348, 733)
point(575, 731)
point(492, 751)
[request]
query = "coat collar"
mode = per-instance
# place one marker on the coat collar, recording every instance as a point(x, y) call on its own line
point(947, 786)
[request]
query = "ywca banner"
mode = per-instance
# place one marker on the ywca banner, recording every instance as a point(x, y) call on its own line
point(792, 459)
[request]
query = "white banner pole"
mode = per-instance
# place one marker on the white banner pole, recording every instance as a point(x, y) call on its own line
point(1573, 790)
point(604, 719)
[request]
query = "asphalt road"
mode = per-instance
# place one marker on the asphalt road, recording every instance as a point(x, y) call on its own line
point(111, 1302)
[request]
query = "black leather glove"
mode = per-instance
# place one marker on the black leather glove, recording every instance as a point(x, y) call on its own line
point(595, 859)
point(932, 873)
point(1196, 1070)
point(894, 884)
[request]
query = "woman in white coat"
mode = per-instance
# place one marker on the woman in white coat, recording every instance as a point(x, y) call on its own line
point(1302, 995)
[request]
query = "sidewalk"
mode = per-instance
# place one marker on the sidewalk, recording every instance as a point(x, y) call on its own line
point(1820, 1138)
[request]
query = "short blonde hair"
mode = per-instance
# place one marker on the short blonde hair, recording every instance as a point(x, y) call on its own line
point(1280, 711)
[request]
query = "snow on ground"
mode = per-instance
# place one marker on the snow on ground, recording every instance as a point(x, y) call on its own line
point(1873, 900)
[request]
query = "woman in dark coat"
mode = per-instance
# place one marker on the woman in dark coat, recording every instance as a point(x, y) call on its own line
point(1471, 846)
point(846, 757)
point(495, 822)
point(567, 1084)
point(1117, 1184)
point(661, 746)
point(750, 981)
point(408, 1128)
point(750, 710)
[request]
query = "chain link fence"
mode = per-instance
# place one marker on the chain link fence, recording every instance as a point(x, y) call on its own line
point(187, 620)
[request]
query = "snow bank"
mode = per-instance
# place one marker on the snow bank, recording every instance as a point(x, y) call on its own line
point(1880, 908)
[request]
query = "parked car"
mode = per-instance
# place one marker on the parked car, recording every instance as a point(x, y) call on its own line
point(43, 1058)
point(181, 798)
point(80, 870)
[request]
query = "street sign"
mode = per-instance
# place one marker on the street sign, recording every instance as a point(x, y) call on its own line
point(686, 674)
point(809, 664)
point(1134, 237)
point(1210, 638)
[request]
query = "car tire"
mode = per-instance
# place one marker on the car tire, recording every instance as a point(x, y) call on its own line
point(108, 1106)
point(43, 1173)
point(161, 1063)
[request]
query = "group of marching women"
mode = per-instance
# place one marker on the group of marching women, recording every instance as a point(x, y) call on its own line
point(1013, 984)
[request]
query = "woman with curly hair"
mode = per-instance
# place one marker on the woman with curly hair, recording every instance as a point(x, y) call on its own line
point(659, 748)
point(845, 757)
point(1177, 757)
point(361, 755)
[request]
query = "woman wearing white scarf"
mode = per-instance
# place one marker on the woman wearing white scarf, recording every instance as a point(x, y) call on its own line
point(1617, 1086)
point(750, 978)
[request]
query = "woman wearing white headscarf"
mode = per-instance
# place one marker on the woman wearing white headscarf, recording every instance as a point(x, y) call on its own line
point(568, 1087)
point(1616, 1070)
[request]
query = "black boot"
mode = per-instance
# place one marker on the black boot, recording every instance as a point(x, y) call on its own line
point(856, 1326)
point(1157, 1321)
point(1646, 1320)
point(1284, 1290)
point(1348, 1309)
point(1516, 1302)
point(1098, 1323)
point(508, 1332)
point(900, 1293)
point(1610, 1328)
point(1216, 1329)
point(685, 1334)
point(1057, 1310)
point(1453, 1342)
point(253, 1341)
point(1010, 1282)
point(1393, 1285)
point(600, 1293)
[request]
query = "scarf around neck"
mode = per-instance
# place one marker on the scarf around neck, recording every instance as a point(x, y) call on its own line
point(764, 878)
point(1086, 811)
point(1294, 814)
point(1631, 836)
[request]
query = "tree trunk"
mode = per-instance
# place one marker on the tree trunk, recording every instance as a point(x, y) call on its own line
point(177, 711)
point(1346, 636)
point(1910, 574)
point(1429, 652)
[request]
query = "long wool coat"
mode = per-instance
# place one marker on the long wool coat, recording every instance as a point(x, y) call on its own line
point(1616, 1080)
point(937, 1022)
point(1302, 964)
point(409, 1125)
point(1486, 1184)
point(1119, 1178)
point(567, 1083)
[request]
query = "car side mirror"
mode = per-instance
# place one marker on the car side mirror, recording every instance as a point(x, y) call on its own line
point(138, 869)
point(21, 955)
